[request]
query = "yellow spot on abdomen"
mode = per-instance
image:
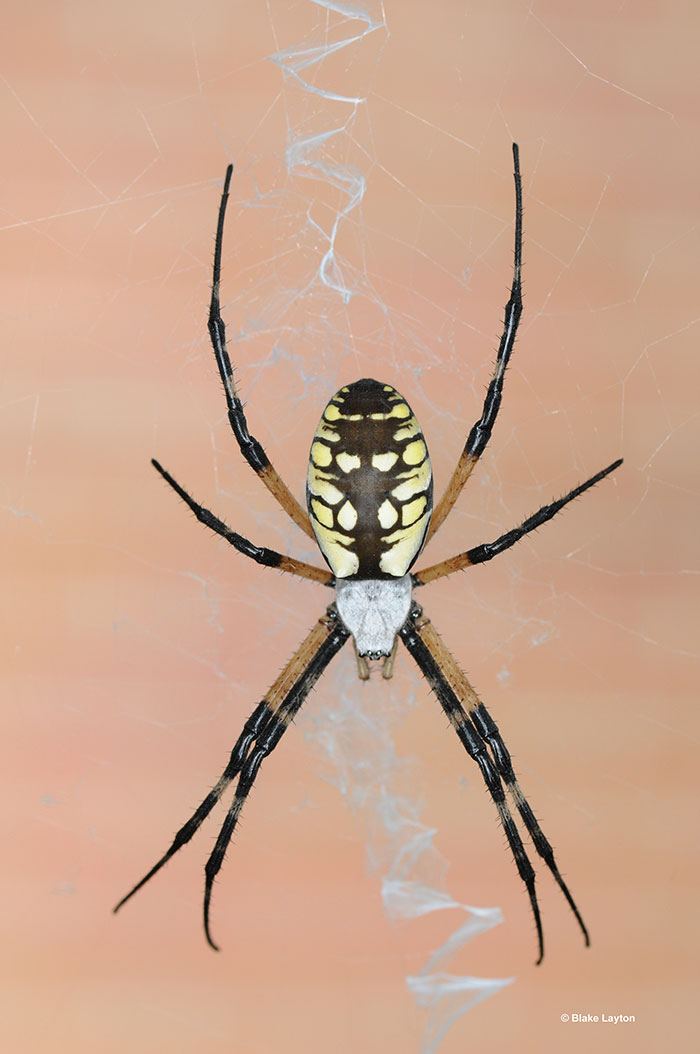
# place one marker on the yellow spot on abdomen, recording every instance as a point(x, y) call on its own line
point(347, 517)
point(321, 454)
point(342, 562)
point(387, 515)
point(322, 513)
point(416, 482)
point(347, 462)
point(407, 430)
point(323, 489)
point(406, 490)
point(400, 410)
point(413, 510)
point(384, 462)
point(326, 432)
point(415, 452)
point(403, 546)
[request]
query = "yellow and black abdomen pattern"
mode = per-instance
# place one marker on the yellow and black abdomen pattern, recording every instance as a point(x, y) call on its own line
point(369, 487)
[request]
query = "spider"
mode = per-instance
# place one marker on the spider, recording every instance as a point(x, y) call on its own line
point(369, 494)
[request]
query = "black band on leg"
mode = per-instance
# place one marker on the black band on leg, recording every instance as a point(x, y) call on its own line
point(261, 733)
point(251, 729)
point(481, 431)
point(477, 749)
point(480, 553)
point(259, 553)
point(267, 740)
point(490, 732)
point(250, 447)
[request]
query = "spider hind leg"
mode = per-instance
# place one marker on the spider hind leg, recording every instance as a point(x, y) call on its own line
point(261, 734)
point(490, 733)
point(480, 736)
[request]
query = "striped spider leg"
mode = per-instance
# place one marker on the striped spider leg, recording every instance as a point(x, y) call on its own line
point(251, 448)
point(479, 554)
point(261, 734)
point(481, 431)
point(261, 555)
point(482, 740)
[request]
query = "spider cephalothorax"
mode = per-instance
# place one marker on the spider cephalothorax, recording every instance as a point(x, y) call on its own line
point(370, 508)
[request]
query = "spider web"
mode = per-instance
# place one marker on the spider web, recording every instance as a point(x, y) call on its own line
point(369, 234)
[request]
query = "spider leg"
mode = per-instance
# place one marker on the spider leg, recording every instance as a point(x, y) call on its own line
point(261, 555)
point(476, 729)
point(251, 449)
point(489, 732)
point(285, 699)
point(255, 722)
point(260, 734)
point(480, 553)
point(481, 431)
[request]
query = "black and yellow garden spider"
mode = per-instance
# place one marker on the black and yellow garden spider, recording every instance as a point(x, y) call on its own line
point(369, 495)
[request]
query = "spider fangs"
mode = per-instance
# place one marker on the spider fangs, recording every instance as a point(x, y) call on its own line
point(370, 508)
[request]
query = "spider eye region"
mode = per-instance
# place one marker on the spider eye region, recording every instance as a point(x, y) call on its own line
point(374, 610)
point(369, 486)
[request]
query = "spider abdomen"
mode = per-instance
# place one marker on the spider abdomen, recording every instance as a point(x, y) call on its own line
point(369, 486)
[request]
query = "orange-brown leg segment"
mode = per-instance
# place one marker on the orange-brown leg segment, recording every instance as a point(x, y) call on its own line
point(261, 555)
point(261, 734)
point(481, 432)
point(251, 449)
point(480, 553)
point(481, 738)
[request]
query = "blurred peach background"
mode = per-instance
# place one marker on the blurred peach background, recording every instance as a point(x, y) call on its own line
point(136, 644)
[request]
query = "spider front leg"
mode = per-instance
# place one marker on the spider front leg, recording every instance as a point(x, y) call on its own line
point(261, 555)
point(478, 732)
point(250, 447)
point(481, 431)
point(479, 554)
point(261, 734)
